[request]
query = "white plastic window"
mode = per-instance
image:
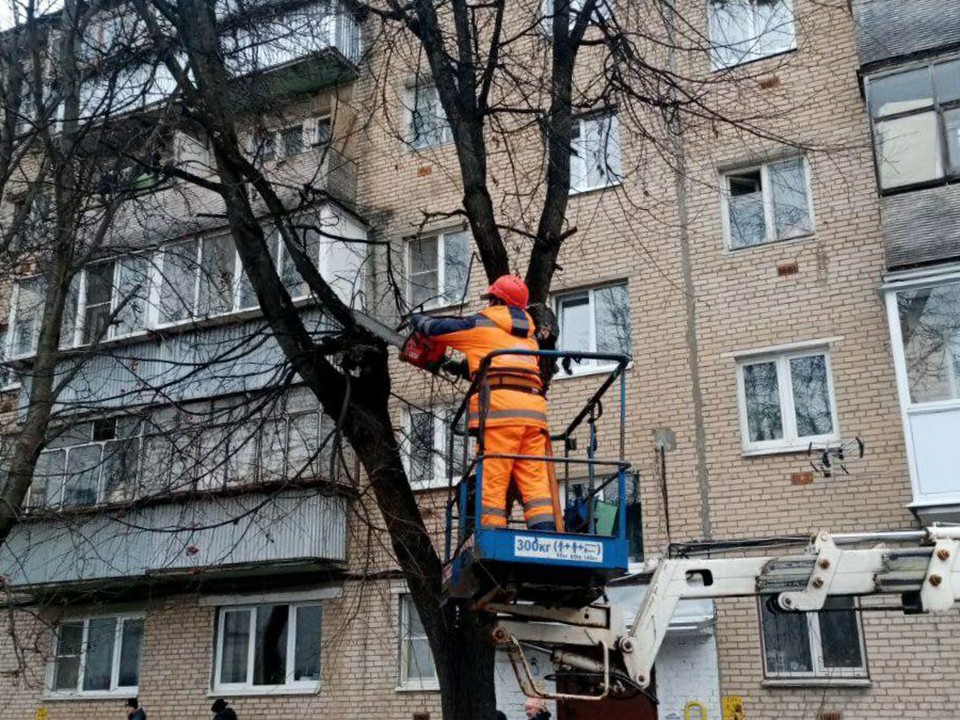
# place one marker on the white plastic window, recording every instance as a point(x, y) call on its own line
point(786, 401)
point(268, 647)
point(97, 656)
point(745, 30)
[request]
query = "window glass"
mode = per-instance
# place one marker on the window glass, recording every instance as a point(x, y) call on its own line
point(417, 666)
point(763, 401)
point(273, 450)
point(613, 320)
point(217, 268)
point(786, 642)
point(951, 125)
point(421, 446)
point(28, 315)
point(428, 123)
point(66, 671)
point(840, 634)
point(178, 282)
point(594, 152)
point(97, 301)
point(308, 242)
point(130, 642)
point(575, 323)
point(903, 92)
point(424, 278)
point(71, 303)
point(930, 331)
point(83, 476)
point(306, 663)
point(236, 638)
point(121, 461)
point(745, 30)
point(270, 649)
point(342, 263)
point(811, 395)
point(908, 150)
point(291, 139)
point(791, 208)
point(303, 443)
point(947, 78)
point(48, 479)
point(133, 291)
point(98, 660)
point(456, 259)
point(748, 224)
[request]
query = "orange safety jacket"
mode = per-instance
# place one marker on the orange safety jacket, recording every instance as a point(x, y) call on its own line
point(516, 392)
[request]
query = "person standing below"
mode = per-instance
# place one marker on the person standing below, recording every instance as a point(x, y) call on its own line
point(134, 711)
point(221, 711)
point(516, 410)
point(536, 709)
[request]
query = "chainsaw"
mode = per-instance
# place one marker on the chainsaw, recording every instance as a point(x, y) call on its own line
point(415, 348)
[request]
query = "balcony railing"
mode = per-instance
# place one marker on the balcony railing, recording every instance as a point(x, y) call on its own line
point(320, 33)
point(253, 532)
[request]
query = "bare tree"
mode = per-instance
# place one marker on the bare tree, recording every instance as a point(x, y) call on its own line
point(506, 75)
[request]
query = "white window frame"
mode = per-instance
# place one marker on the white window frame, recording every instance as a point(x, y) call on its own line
point(78, 326)
point(441, 429)
point(717, 57)
point(820, 671)
point(587, 367)
point(790, 442)
point(308, 129)
point(404, 606)
point(909, 409)
point(769, 211)
point(115, 690)
point(65, 451)
point(9, 378)
point(614, 164)
point(248, 688)
point(14, 313)
point(440, 300)
point(429, 91)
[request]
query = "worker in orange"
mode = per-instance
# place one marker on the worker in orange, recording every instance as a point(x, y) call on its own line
point(516, 413)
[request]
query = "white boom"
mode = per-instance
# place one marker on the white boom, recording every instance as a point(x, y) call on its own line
point(922, 567)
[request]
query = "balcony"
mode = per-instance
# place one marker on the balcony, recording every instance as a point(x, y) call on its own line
point(213, 536)
point(273, 51)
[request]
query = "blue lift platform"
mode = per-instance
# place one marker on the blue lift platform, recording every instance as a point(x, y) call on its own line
point(567, 568)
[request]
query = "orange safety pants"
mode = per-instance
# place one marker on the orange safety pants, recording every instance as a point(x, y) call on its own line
point(532, 476)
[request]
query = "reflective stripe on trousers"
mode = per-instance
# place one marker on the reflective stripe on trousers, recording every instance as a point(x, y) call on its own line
point(531, 476)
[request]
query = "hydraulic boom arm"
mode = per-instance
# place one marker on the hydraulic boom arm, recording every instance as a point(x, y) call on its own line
point(921, 566)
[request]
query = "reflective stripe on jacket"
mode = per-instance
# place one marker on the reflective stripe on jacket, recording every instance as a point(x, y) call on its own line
point(498, 328)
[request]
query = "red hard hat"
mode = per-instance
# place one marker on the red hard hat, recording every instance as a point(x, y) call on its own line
point(509, 288)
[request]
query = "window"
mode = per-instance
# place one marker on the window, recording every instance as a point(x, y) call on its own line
point(825, 644)
point(930, 333)
point(97, 655)
point(595, 153)
point(198, 279)
point(745, 30)
point(8, 376)
point(438, 269)
point(27, 315)
point(786, 401)
point(271, 145)
point(268, 647)
point(596, 320)
point(88, 464)
point(428, 435)
point(916, 124)
point(108, 299)
point(417, 671)
point(767, 203)
point(427, 122)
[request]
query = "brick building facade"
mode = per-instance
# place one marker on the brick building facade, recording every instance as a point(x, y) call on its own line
point(760, 275)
